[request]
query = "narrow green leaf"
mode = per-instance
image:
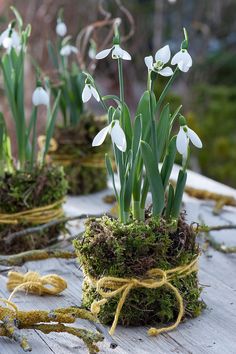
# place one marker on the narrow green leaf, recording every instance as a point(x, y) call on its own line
point(154, 178)
point(168, 162)
point(127, 126)
point(179, 191)
point(163, 128)
point(111, 174)
point(51, 125)
point(144, 110)
point(18, 17)
point(137, 132)
point(53, 55)
point(174, 115)
point(144, 193)
point(170, 199)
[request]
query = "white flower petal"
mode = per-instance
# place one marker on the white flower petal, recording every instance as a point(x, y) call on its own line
point(163, 54)
point(73, 49)
point(149, 62)
point(183, 60)
point(61, 29)
point(86, 94)
point(40, 97)
point(103, 54)
point(182, 142)
point(66, 50)
point(95, 93)
point(177, 58)
point(125, 55)
point(117, 52)
point(118, 136)
point(7, 43)
point(196, 141)
point(183, 67)
point(101, 136)
point(167, 71)
point(4, 35)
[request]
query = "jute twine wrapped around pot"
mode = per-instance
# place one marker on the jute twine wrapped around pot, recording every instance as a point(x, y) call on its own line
point(36, 216)
point(91, 160)
point(108, 287)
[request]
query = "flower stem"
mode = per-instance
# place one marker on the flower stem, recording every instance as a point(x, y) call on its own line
point(121, 83)
point(166, 89)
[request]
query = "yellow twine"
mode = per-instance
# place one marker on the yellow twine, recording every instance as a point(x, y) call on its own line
point(156, 278)
point(32, 282)
point(40, 215)
point(92, 160)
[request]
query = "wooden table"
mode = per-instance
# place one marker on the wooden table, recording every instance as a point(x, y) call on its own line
point(213, 332)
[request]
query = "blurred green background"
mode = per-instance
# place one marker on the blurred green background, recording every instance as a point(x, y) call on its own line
point(208, 90)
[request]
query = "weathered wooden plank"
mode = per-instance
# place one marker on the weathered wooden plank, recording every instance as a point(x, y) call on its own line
point(213, 332)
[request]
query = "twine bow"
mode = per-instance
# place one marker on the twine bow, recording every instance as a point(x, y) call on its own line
point(32, 282)
point(108, 287)
point(40, 215)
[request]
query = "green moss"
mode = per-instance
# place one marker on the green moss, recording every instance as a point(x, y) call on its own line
point(74, 147)
point(23, 191)
point(114, 249)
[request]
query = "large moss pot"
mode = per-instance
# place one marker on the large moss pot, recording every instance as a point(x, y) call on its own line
point(21, 192)
point(109, 248)
point(84, 165)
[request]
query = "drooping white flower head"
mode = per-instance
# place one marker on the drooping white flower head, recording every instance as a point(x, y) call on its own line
point(68, 49)
point(183, 60)
point(61, 28)
point(88, 92)
point(185, 135)
point(117, 136)
point(10, 39)
point(40, 97)
point(162, 57)
point(116, 52)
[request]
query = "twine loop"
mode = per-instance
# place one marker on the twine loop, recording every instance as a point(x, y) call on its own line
point(108, 287)
point(32, 282)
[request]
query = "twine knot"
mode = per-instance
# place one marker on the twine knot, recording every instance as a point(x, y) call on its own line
point(34, 283)
point(109, 287)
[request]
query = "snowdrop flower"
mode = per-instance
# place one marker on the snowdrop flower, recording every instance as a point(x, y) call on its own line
point(183, 60)
point(40, 97)
point(117, 136)
point(10, 39)
point(182, 142)
point(116, 52)
point(68, 49)
point(162, 57)
point(61, 28)
point(88, 92)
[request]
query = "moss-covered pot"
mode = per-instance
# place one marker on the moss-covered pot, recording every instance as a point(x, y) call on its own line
point(84, 165)
point(21, 192)
point(109, 248)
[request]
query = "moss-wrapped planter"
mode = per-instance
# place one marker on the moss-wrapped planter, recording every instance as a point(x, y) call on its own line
point(110, 248)
point(83, 164)
point(20, 192)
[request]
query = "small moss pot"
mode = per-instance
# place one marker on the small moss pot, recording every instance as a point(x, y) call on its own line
point(21, 192)
point(110, 248)
point(84, 165)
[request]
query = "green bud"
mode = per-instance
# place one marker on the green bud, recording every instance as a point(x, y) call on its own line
point(182, 120)
point(116, 39)
point(184, 44)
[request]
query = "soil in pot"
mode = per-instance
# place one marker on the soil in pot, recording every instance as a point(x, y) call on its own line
point(20, 192)
point(84, 166)
point(109, 248)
